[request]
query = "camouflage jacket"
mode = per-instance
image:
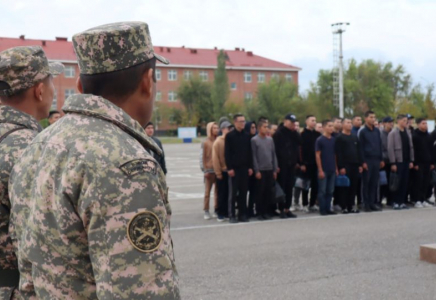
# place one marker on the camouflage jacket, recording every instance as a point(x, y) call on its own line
point(18, 130)
point(98, 213)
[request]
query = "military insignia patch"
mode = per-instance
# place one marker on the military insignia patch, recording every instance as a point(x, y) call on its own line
point(138, 166)
point(145, 232)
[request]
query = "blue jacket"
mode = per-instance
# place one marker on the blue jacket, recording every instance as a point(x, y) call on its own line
point(370, 144)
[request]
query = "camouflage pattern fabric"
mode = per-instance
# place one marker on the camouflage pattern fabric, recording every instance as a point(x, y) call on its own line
point(99, 218)
point(11, 149)
point(23, 67)
point(114, 47)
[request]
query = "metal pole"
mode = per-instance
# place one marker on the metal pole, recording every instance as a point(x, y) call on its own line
point(341, 78)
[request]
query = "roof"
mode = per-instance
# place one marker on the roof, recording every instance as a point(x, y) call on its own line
point(62, 50)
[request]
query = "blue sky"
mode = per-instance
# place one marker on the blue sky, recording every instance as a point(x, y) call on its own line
point(294, 32)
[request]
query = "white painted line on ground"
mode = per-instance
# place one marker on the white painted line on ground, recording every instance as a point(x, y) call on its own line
point(226, 224)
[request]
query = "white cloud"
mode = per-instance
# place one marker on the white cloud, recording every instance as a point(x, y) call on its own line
point(288, 31)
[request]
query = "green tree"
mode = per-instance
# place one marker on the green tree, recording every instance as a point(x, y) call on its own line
point(220, 88)
point(196, 97)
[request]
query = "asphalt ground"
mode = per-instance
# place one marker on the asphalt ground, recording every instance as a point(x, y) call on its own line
point(364, 256)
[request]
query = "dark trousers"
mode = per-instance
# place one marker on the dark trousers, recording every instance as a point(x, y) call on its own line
point(370, 179)
point(384, 189)
point(238, 186)
point(312, 174)
point(252, 182)
point(403, 171)
point(421, 182)
point(326, 187)
point(264, 192)
point(223, 195)
point(347, 195)
point(286, 180)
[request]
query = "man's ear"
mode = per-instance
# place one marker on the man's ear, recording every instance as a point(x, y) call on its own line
point(38, 90)
point(147, 83)
point(79, 85)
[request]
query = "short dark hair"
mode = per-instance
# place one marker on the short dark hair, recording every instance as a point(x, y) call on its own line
point(356, 116)
point(336, 118)
point(117, 84)
point(345, 119)
point(149, 124)
point(401, 116)
point(262, 119)
point(368, 113)
point(310, 116)
point(53, 112)
point(325, 122)
point(420, 120)
point(236, 116)
point(262, 122)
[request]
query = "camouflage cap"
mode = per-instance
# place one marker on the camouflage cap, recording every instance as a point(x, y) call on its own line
point(22, 67)
point(113, 47)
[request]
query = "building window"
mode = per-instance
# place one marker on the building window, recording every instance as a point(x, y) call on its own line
point(289, 77)
point(187, 75)
point(248, 97)
point(261, 77)
point(158, 96)
point(172, 75)
point(54, 105)
point(70, 72)
point(158, 74)
point(204, 75)
point(247, 77)
point(172, 96)
point(69, 92)
point(275, 76)
point(233, 86)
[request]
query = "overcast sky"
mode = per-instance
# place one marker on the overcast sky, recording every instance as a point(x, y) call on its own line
point(290, 31)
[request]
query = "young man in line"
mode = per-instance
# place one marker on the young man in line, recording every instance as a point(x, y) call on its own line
point(337, 129)
point(357, 124)
point(327, 170)
point(149, 130)
point(239, 163)
point(26, 94)
point(424, 162)
point(287, 144)
point(388, 125)
point(265, 169)
point(371, 147)
point(401, 157)
point(207, 168)
point(349, 160)
point(220, 169)
point(308, 167)
point(318, 128)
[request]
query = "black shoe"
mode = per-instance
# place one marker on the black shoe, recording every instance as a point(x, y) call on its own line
point(323, 214)
point(260, 218)
point(375, 208)
point(275, 214)
point(266, 217)
point(283, 215)
point(367, 209)
point(331, 213)
point(354, 211)
point(345, 211)
point(233, 220)
point(243, 219)
point(290, 215)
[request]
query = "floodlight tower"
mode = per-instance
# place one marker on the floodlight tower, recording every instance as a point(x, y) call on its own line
point(338, 67)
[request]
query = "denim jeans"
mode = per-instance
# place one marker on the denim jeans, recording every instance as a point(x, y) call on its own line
point(326, 188)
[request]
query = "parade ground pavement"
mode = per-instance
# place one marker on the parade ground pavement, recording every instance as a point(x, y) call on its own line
point(369, 256)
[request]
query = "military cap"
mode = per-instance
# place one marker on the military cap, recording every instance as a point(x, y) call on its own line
point(22, 67)
point(113, 47)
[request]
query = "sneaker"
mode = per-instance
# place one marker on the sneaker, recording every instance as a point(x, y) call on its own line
point(331, 213)
point(214, 215)
point(426, 204)
point(337, 208)
point(290, 215)
point(220, 219)
point(396, 206)
point(206, 215)
point(313, 208)
point(404, 206)
point(283, 215)
point(292, 208)
point(418, 204)
point(345, 211)
point(306, 209)
point(298, 207)
point(354, 211)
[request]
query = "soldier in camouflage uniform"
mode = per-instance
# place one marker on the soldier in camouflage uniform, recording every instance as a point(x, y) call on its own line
point(99, 221)
point(26, 91)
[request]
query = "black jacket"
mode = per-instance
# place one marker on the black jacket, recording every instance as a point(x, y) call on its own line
point(287, 143)
point(347, 148)
point(423, 146)
point(308, 140)
point(237, 150)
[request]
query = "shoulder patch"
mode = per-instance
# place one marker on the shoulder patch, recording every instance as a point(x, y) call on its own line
point(145, 232)
point(139, 166)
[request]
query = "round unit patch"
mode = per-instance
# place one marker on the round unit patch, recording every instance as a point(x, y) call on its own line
point(145, 232)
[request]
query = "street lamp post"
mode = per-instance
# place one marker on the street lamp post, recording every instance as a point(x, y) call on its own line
point(338, 29)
